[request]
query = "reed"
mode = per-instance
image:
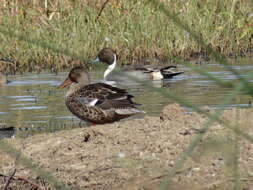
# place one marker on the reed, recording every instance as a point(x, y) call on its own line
point(136, 29)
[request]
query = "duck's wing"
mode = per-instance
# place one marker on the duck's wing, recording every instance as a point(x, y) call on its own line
point(102, 91)
point(115, 104)
point(121, 107)
point(146, 69)
point(167, 67)
point(87, 101)
point(107, 87)
point(107, 97)
point(170, 74)
point(150, 69)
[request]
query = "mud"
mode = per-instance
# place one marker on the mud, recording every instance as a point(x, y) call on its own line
point(139, 153)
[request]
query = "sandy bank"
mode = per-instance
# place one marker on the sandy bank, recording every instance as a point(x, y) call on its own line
point(136, 154)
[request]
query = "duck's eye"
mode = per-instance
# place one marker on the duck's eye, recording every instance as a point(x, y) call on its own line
point(74, 76)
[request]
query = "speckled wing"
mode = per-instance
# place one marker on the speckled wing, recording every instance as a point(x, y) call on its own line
point(102, 91)
point(115, 104)
point(104, 96)
point(87, 101)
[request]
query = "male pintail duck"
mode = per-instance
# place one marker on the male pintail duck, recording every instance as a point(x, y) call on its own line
point(97, 103)
point(108, 56)
point(158, 73)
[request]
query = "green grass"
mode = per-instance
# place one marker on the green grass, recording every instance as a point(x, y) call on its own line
point(136, 29)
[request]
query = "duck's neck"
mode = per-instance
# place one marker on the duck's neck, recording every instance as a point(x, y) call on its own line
point(110, 68)
point(74, 87)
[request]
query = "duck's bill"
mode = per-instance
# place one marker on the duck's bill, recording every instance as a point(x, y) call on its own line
point(95, 61)
point(66, 83)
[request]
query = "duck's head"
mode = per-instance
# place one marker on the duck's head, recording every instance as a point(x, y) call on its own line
point(108, 56)
point(77, 78)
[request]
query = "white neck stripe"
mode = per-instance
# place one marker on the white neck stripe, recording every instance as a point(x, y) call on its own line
point(110, 68)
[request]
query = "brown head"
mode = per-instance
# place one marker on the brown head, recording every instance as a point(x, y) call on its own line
point(78, 76)
point(107, 55)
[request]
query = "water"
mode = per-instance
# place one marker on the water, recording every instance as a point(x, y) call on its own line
point(32, 100)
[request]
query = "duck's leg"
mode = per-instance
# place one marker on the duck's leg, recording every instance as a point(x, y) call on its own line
point(89, 124)
point(92, 124)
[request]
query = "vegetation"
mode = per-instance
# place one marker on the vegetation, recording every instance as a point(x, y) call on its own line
point(136, 29)
point(55, 34)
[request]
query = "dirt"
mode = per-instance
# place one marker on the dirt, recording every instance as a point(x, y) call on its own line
point(140, 153)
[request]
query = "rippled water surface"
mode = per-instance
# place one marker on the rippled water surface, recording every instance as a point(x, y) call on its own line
point(32, 100)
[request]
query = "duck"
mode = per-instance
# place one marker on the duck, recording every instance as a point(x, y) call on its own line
point(96, 103)
point(159, 73)
point(108, 56)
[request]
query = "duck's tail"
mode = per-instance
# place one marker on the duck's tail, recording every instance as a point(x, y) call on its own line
point(170, 75)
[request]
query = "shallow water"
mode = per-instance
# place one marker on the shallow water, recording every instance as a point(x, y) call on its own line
point(32, 100)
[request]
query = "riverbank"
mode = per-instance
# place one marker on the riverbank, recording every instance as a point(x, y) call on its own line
point(41, 35)
point(138, 153)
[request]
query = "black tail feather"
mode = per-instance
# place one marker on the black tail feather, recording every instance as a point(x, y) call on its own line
point(168, 67)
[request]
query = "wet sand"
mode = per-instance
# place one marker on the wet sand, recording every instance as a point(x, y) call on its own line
point(138, 153)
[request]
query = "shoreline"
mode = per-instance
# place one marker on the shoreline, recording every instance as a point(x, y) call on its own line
point(139, 153)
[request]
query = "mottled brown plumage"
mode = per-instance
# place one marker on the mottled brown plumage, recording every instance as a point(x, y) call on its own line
point(97, 103)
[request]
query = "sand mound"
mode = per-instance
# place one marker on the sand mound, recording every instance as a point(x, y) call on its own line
point(137, 154)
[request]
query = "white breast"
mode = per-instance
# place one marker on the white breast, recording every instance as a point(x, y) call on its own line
point(110, 68)
point(157, 75)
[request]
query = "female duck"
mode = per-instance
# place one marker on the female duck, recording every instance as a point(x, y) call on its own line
point(97, 103)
